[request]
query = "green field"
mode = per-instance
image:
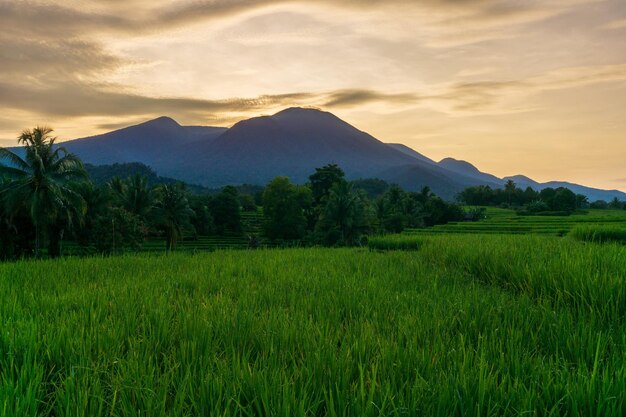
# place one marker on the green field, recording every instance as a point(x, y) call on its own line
point(505, 221)
point(458, 325)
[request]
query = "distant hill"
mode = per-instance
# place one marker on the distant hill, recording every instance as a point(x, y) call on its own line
point(292, 143)
point(469, 170)
point(146, 142)
point(101, 174)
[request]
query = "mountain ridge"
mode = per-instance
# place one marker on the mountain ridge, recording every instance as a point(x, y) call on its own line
point(292, 142)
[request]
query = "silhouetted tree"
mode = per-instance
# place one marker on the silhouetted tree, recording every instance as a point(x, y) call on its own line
point(172, 213)
point(40, 183)
point(343, 218)
point(322, 181)
point(225, 210)
point(284, 207)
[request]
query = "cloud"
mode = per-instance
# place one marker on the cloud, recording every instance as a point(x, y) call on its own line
point(75, 18)
point(616, 24)
point(498, 97)
point(356, 97)
point(36, 59)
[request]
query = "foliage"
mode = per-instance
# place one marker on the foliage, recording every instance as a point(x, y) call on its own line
point(373, 187)
point(116, 231)
point(202, 220)
point(548, 199)
point(173, 213)
point(322, 180)
point(284, 207)
point(343, 219)
point(225, 211)
point(40, 185)
point(135, 195)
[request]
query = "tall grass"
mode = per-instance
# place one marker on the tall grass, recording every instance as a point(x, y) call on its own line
point(599, 234)
point(316, 332)
point(394, 242)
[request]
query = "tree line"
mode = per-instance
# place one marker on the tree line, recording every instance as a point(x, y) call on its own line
point(530, 201)
point(47, 197)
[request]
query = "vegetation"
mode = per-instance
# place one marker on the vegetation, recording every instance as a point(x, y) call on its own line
point(48, 197)
point(506, 221)
point(466, 325)
point(40, 186)
point(467, 312)
point(599, 234)
point(549, 200)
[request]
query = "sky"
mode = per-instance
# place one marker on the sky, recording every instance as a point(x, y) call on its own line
point(513, 86)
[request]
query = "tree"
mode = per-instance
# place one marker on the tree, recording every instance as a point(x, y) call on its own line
point(173, 213)
point(391, 211)
point(343, 218)
point(40, 183)
point(134, 195)
point(564, 200)
point(509, 189)
point(322, 181)
point(284, 206)
point(225, 211)
point(615, 204)
point(202, 221)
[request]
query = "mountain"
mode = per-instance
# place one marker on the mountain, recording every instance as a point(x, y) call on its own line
point(469, 170)
point(145, 143)
point(292, 143)
point(593, 194)
point(411, 152)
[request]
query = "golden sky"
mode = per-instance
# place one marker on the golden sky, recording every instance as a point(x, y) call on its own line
point(513, 86)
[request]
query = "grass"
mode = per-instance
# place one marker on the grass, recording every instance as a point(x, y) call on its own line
point(394, 242)
point(505, 221)
point(465, 326)
point(599, 234)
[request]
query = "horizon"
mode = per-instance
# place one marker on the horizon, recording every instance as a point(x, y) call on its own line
point(534, 89)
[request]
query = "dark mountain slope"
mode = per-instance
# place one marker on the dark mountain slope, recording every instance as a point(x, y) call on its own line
point(146, 142)
point(469, 170)
point(293, 143)
point(411, 152)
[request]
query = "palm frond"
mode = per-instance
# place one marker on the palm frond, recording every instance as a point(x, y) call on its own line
point(13, 159)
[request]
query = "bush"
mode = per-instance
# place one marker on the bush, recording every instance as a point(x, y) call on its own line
point(599, 234)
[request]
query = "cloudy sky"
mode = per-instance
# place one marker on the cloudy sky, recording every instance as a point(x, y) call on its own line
point(515, 86)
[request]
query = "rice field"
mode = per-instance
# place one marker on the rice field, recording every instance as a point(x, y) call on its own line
point(459, 325)
point(505, 221)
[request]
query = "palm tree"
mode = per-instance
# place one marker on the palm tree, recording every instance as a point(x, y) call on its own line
point(344, 211)
point(134, 195)
point(509, 189)
point(40, 181)
point(173, 213)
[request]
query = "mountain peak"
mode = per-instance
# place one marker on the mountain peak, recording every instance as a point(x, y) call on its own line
point(300, 110)
point(162, 121)
point(305, 114)
point(458, 164)
point(521, 179)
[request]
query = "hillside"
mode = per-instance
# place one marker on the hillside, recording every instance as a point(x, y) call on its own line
point(292, 143)
point(146, 142)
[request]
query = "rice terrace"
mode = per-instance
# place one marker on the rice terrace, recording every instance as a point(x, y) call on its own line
point(275, 208)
